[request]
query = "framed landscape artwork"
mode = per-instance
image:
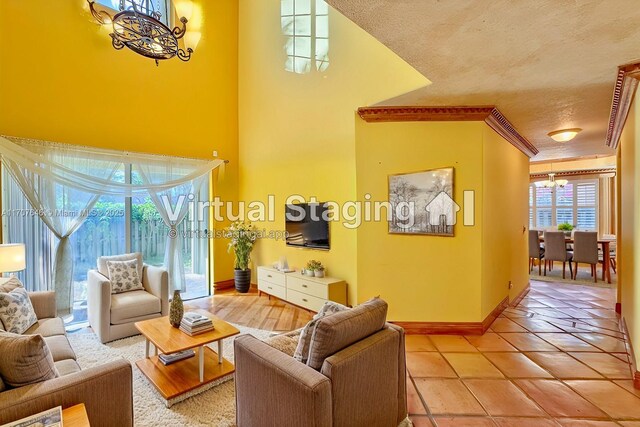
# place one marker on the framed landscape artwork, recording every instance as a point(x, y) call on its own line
point(422, 203)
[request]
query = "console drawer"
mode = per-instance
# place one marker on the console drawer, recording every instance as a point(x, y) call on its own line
point(273, 289)
point(304, 300)
point(271, 276)
point(307, 287)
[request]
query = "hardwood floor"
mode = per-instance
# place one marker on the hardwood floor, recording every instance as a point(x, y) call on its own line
point(260, 312)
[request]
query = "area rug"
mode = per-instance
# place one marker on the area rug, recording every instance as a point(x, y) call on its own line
point(584, 277)
point(214, 406)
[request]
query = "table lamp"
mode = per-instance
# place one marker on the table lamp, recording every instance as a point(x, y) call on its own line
point(12, 258)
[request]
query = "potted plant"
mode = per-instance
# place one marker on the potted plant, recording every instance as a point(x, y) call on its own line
point(566, 227)
point(242, 235)
point(314, 268)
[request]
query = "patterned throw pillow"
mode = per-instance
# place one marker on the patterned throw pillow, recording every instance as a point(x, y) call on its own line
point(302, 351)
point(124, 276)
point(16, 312)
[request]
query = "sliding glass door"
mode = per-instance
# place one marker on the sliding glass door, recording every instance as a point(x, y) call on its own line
point(114, 226)
point(149, 235)
point(103, 233)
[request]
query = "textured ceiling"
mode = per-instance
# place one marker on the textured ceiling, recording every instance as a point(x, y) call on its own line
point(546, 64)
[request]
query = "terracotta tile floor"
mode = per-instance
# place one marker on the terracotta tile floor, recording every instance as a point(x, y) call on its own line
point(557, 359)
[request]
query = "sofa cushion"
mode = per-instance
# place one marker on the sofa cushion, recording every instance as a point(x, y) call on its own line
point(128, 305)
point(60, 348)
point(340, 330)
point(16, 312)
point(11, 284)
point(47, 327)
point(286, 343)
point(102, 262)
point(124, 276)
point(66, 367)
point(26, 359)
point(301, 353)
point(3, 387)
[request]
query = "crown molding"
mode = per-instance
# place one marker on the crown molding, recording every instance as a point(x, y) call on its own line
point(623, 94)
point(487, 113)
point(582, 172)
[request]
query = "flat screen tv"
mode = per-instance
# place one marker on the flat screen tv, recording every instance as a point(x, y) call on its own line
point(306, 225)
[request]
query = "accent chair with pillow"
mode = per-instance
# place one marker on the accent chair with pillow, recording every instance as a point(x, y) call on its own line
point(123, 291)
point(354, 375)
point(38, 368)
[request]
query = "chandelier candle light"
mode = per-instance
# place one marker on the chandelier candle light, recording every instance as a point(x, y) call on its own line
point(143, 33)
point(552, 182)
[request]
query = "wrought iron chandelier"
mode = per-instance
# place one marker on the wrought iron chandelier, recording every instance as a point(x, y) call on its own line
point(143, 33)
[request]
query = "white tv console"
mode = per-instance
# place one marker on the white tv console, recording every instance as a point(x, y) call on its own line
point(304, 291)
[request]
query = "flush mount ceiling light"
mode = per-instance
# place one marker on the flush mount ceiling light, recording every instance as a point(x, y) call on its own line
point(143, 33)
point(564, 135)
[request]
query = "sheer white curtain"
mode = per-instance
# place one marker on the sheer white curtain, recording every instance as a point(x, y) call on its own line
point(172, 205)
point(20, 226)
point(63, 182)
point(63, 209)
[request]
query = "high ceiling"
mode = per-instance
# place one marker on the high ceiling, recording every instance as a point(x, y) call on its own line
point(546, 64)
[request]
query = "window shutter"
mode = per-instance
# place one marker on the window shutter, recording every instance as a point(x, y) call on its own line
point(587, 194)
point(564, 204)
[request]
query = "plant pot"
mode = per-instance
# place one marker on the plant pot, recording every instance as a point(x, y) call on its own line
point(242, 279)
point(319, 273)
point(309, 273)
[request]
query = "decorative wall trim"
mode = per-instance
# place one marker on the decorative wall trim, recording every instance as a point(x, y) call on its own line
point(602, 171)
point(505, 129)
point(520, 296)
point(454, 328)
point(623, 94)
point(425, 114)
point(224, 284)
point(487, 113)
point(494, 314)
point(632, 356)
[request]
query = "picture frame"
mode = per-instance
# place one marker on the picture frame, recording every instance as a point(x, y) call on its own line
point(422, 203)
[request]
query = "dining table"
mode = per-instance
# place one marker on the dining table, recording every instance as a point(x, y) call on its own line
point(605, 245)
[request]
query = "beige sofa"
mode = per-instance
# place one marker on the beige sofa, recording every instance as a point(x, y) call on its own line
point(106, 391)
point(355, 375)
point(113, 316)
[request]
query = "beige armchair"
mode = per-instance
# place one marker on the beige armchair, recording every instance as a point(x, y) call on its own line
point(355, 376)
point(112, 316)
point(73, 385)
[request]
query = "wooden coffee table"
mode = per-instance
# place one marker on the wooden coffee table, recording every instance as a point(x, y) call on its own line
point(183, 376)
point(75, 416)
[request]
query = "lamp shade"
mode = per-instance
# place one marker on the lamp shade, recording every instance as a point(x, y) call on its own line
point(12, 257)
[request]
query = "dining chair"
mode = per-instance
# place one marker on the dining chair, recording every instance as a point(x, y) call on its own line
point(535, 251)
point(555, 249)
point(585, 250)
point(613, 260)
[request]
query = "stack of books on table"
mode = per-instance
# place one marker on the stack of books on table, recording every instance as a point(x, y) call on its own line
point(168, 359)
point(194, 324)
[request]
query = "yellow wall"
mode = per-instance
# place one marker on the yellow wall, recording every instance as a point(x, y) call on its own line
point(297, 130)
point(60, 80)
point(423, 278)
point(444, 279)
point(505, 208)
point(629, 235)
